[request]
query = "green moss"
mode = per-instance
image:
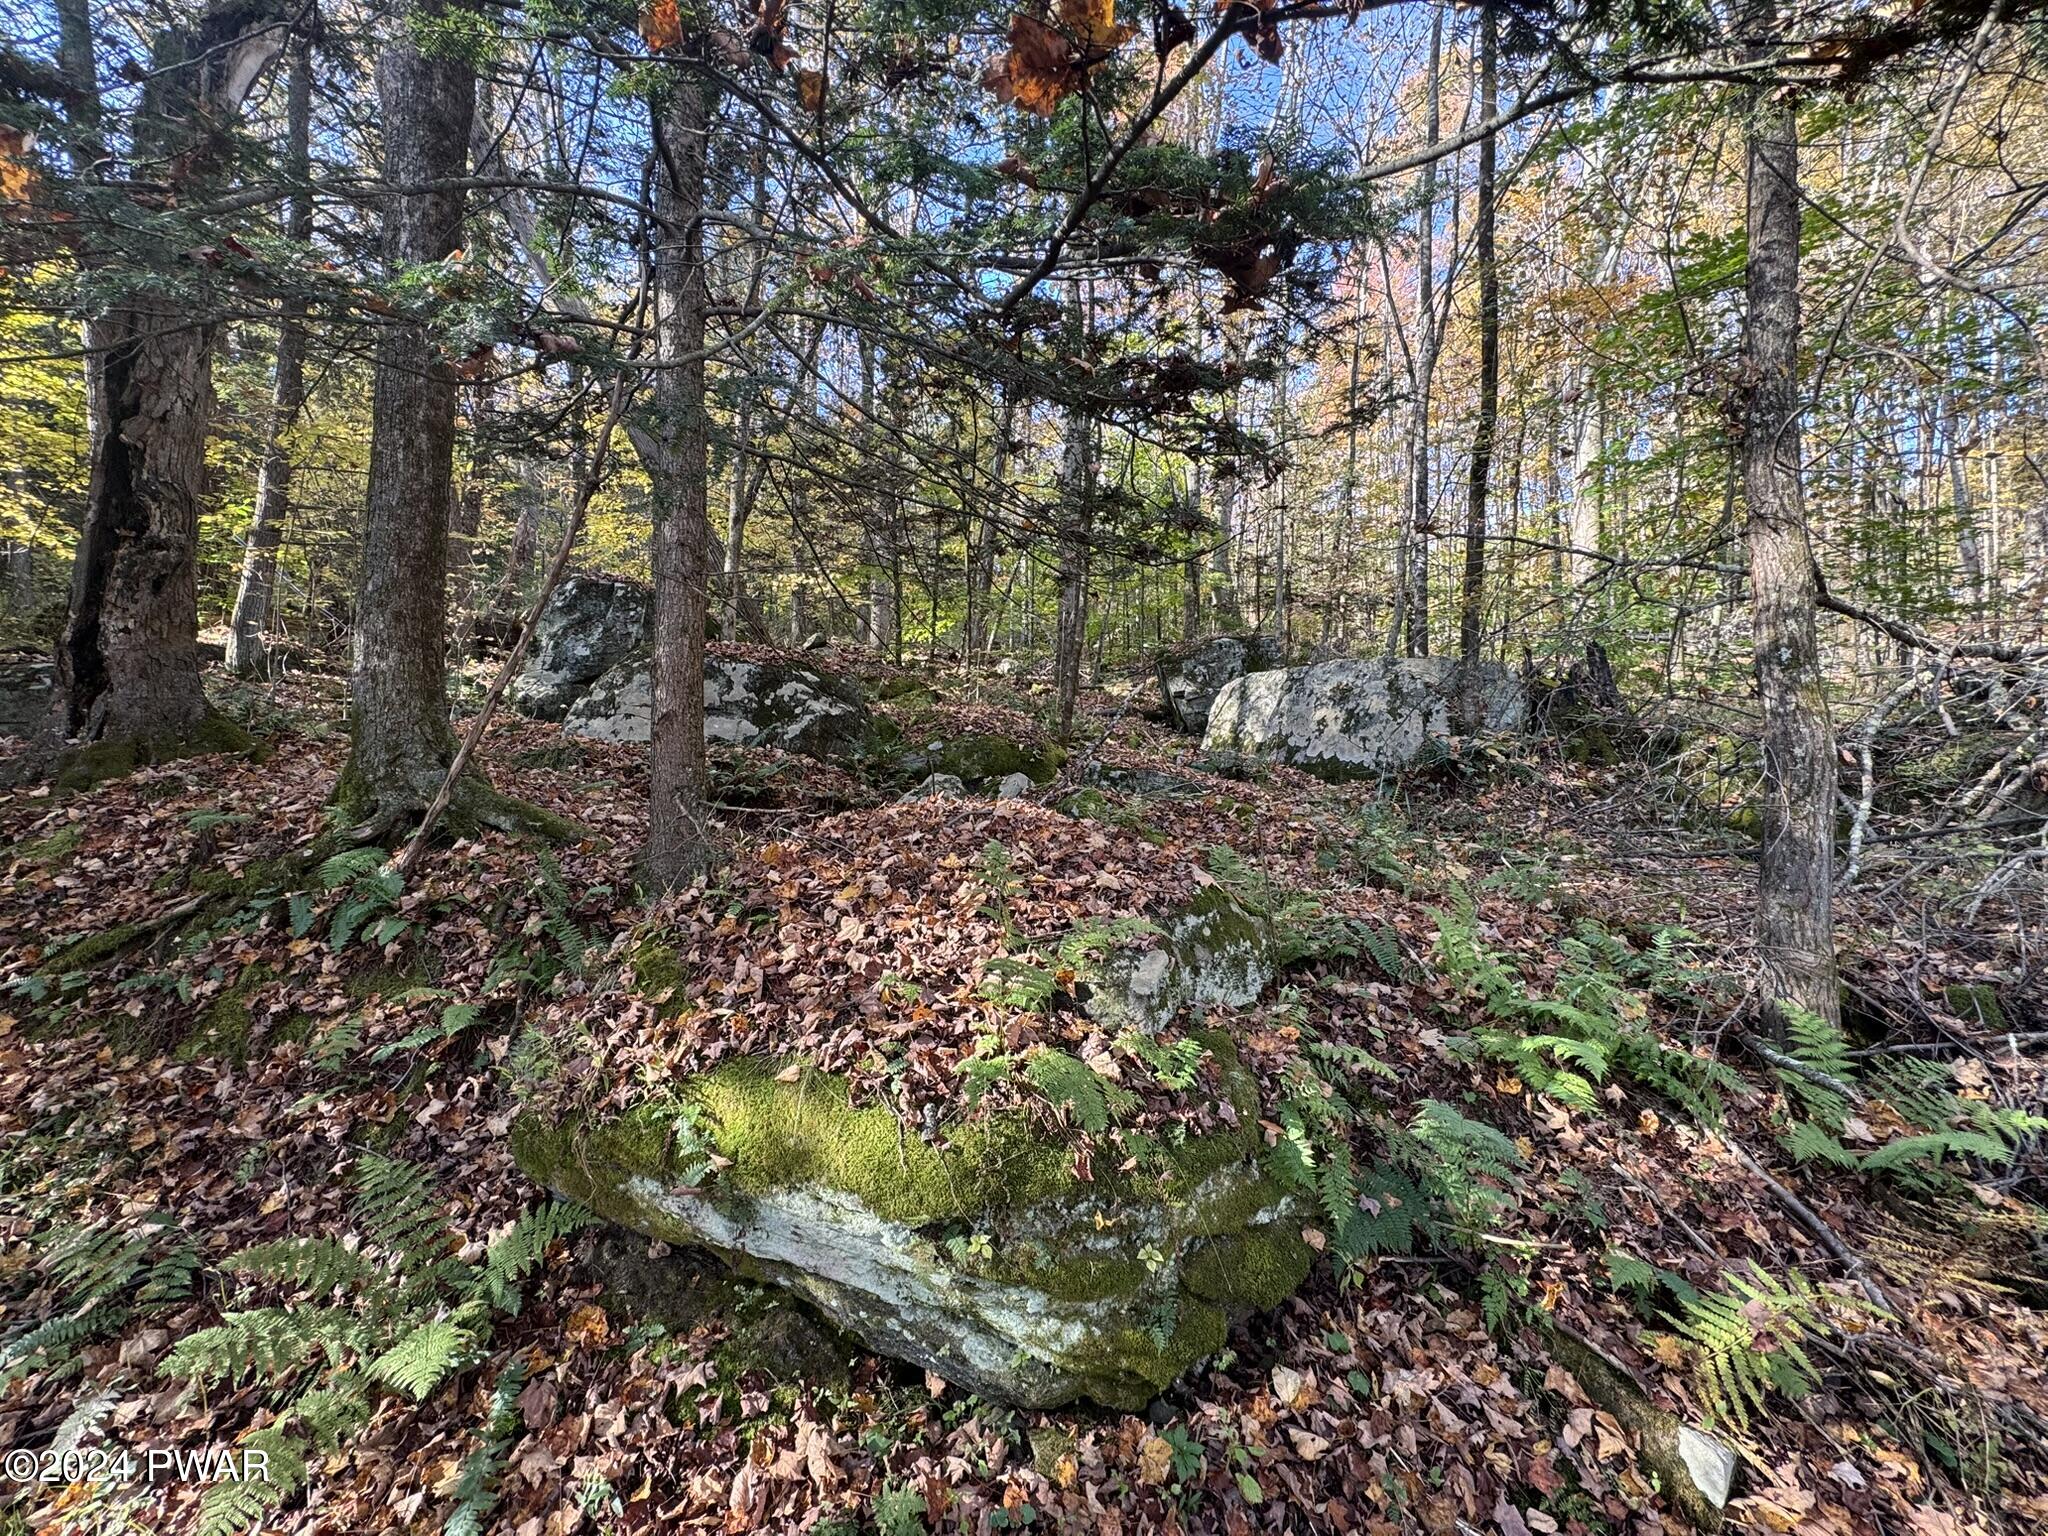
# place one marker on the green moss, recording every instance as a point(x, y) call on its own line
point(1976, 1003)
point(780, 1135)
point(1128, 1366)
point(80, 768)
point(51, 850)
point(657, 968)
point(1086, 805)
point(978, 758)
point(90, 949)
point(1250, 1270)
point(1166, 1246)
point(223, 1029)
point(1958, 761)
point(383, 981)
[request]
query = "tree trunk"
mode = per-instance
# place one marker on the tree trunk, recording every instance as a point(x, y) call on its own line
point(1795, 920)
point(127, 667)
point(288, 394)
point(1472, 591)
point(402, 742)
point(1409, 632)
point(678, 833)
point(1076, 486)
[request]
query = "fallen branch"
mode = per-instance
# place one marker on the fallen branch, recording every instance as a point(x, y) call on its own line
point(1819, 1230)
point(1784, 1063)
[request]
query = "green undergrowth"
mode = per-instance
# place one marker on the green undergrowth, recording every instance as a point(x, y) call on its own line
point(329, 1328)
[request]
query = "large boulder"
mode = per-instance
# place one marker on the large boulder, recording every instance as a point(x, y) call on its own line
point(972, 1246)
point(980, 1257)
point(1355, 719)
point(590, 625)
point(1191, 680)
point(746, 703)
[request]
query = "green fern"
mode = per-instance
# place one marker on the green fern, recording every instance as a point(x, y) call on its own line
point(510, 1258)
point(316, 1264)
point(423, 1357)
point(1595, 1024)
point(556, 919)
point(1173, 1063)
point(476, 1490)
point(349, 866)
point(1747, 1341)
point(234, 1504)
point(399, 1212)
point(1077, 1088)
point(271, 1344)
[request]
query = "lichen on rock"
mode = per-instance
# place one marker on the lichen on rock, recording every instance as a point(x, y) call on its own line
point(982, 1256)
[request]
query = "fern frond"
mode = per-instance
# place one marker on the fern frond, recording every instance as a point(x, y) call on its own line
point(508, 1260)
point(423, 1358)
point(316, 1264)
point(396, 1205)
point(349, 866)
point(1070, 1084)
point(233, 1505)
point(266, 1344)
point(476, 1490)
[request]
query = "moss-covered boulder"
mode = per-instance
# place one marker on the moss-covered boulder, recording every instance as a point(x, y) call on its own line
point(979, 1254)
point(981, 760)
point(1215, 953)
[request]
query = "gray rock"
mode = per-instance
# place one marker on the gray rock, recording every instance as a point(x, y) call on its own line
point(590, 625)
point(24, 696)
point(937, 786)
point(1007, 667)
point(1015, 786)
point(1190, 682)
point(1709, 1463)
point(1141, 781)
point(1353, 719)
point(814, 641)
point(978, 1255)
point(1215, 954)
point(746, 703)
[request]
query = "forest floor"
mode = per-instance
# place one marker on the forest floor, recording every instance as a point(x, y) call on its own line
point(195, 1057)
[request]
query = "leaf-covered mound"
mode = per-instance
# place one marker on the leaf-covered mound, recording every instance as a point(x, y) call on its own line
point(913, 949)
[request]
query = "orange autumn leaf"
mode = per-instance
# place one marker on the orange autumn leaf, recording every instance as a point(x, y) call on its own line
point(1039, 71)
point(17, 171)
point(1094, 25)
point(661, 24)
point(810, 90)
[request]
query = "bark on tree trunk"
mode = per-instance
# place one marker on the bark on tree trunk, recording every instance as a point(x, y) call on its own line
point(1076, 486)
point(402, 742)
point(127, 667)
point(1795, 920)
point(678, 834)
point(1472, 590)
point(288, 394)
point(1409, 631)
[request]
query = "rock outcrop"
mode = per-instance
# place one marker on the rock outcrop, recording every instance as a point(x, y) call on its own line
point(1191, 680)
point(1355, 719)
point(781, 704)
point(981, 1258)
point(974, 1250)
point(1215, 954)
point(590, 625)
